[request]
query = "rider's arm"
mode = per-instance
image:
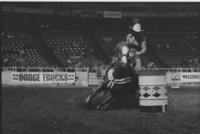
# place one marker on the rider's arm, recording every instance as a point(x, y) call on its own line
point(144, 48)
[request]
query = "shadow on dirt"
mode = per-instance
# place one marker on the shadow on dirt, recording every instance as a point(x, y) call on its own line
point(127, 102)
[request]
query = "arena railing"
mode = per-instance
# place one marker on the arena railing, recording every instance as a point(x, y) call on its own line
point(173, 69)
point(48, 69)
point(43, 69)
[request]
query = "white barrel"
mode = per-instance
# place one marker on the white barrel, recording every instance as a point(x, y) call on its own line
point(152, 91)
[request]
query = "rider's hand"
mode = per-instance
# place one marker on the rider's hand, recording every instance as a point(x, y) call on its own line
point(137, 53)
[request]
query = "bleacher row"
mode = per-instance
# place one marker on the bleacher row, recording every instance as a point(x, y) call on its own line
point(108, 40)
point(71, 50)
point(18, 51)
point(175, 48)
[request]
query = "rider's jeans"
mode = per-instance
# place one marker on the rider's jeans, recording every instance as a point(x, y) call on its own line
point(138, 66)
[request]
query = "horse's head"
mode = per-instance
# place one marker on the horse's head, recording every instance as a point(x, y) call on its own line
point(124, 60)
point(124, 53)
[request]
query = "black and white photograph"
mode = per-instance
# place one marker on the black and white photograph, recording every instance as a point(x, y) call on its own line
point(100, 67)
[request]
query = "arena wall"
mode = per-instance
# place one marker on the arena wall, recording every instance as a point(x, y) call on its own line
point(82, 77)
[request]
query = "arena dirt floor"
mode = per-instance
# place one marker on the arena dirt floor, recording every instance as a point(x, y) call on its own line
point(60, 111)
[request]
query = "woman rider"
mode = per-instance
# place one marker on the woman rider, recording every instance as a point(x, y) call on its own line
point(137, 40)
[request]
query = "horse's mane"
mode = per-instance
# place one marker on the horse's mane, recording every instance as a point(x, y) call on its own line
point(120, 45)
point(121, 69)
point(116, 59)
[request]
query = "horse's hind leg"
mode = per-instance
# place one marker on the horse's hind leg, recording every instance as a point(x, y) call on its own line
point(106, 103)
point(96, 91)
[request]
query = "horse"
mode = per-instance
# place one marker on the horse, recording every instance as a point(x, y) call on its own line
point(120, 80)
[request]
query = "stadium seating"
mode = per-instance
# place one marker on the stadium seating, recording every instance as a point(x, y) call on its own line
point(174, 48)
point(17, 50)
point(69, 48)
point(20, 53)
point(108, 40)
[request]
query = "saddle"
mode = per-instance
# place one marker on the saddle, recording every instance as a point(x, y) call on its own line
point(113, 81)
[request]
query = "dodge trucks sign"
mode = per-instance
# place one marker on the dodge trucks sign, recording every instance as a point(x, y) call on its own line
point(40, 78)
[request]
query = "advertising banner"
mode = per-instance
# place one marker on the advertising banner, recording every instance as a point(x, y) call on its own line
point(183, 77)
point(82, 78)
point(193, 77)
point(43, 77)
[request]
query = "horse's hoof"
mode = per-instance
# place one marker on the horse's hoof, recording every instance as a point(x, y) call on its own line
point(98, 107)
point(88, 99)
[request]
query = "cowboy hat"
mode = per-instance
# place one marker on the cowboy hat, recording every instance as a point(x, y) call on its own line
point(137, 27)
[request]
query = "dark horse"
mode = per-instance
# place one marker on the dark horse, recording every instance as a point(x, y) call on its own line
point(119, 82)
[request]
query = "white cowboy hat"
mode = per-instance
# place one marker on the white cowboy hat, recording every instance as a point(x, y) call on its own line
point(137, 28)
